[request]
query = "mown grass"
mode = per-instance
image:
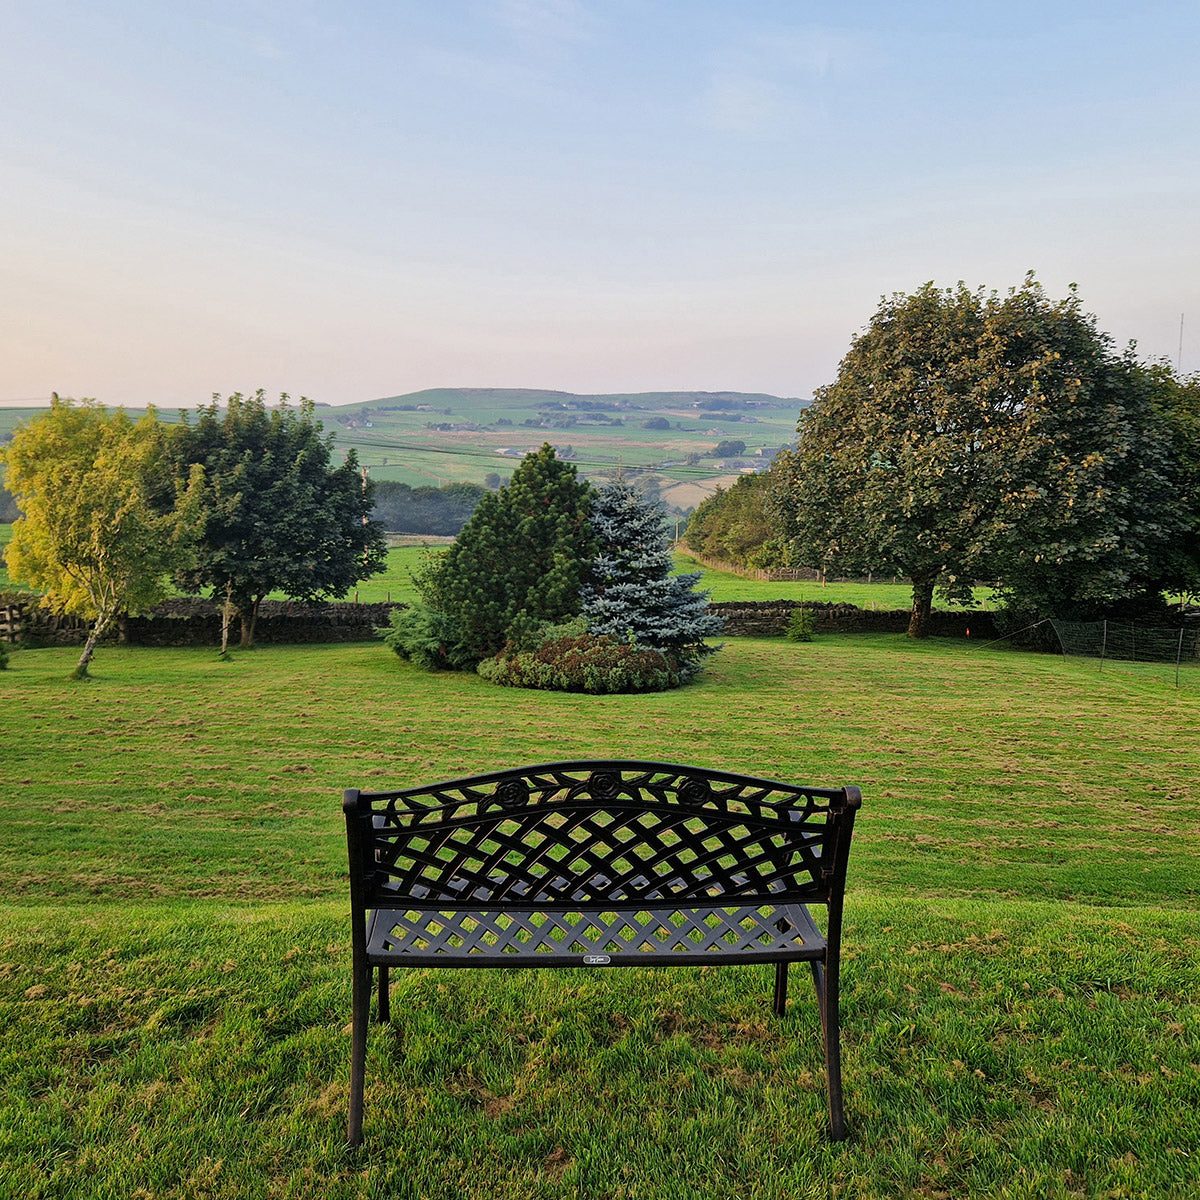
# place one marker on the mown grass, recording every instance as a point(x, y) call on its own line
point(1022, 981)
point(1036, 1051)
point(883, 594)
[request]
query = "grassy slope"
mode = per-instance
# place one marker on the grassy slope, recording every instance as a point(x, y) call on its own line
point(175, 1023)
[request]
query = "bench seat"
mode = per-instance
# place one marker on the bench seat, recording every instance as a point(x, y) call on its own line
point(617, 937)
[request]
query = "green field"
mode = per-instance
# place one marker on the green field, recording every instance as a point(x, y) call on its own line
point(395, 582)
point(396, 436)
point(1022, 985)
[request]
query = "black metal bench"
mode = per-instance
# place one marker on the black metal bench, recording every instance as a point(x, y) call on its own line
point(598, 864)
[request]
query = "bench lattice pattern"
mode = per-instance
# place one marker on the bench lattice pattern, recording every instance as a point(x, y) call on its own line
point(564, 835)
point(530, 938)
point(612, 863)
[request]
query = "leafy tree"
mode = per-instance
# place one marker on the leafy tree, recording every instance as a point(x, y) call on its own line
point(1177, 401)
point(425, 509)
point(735, 525)
point(633, 593)
point(729, 448)
point(518, 562)
point(973, 436)
point(280, 517)
point(104, 521)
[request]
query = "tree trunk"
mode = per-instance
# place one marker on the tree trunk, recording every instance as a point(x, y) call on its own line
point(249, 620)
point(89, 647)
point(226, 618)
point(922, 606)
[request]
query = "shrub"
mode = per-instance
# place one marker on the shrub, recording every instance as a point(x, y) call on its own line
point(801, 625)
point(426, 637)
point(522, 555)
point(565, 659)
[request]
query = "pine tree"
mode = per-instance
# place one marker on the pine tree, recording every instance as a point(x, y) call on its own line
point(632, 593)
point(519, 561)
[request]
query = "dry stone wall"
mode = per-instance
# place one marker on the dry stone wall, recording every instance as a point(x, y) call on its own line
point(769, 618)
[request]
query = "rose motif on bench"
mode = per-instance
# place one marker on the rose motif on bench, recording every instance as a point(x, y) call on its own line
point(512, 793)
point(604, 785)
point(694, 790)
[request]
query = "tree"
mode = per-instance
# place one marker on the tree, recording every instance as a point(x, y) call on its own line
point(1177, 401)
point(426, 509)
point(633, 592)
point(729, 448)
point(280, 517)
point(735, 525)
point(104, 522)
point(973, 436)
point(518, 562)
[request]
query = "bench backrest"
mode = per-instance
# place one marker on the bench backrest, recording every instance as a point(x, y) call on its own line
point(571, 835)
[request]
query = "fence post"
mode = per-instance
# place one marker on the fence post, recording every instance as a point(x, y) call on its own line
point(1103, 644)
point(1178, 655)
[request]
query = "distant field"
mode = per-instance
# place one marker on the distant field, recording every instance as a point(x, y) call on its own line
point(499, 426)
point(396, 582)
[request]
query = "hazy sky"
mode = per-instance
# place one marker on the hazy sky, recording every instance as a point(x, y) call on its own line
point(351, 200)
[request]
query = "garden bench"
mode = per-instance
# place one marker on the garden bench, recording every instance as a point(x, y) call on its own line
point(598, 864)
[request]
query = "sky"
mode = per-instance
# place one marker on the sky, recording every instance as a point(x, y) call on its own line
point(354, 200)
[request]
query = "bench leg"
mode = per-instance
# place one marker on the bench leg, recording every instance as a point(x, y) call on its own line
point(358, 1051)
point(779, 1001)
point(383, 1012)
point(825, 980)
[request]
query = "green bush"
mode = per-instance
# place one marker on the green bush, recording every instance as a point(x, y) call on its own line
point(563, 658)
point(3, 656)
point(426, 637)
point(801, 626)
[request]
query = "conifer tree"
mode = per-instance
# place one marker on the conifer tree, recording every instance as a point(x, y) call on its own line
point(518, 562)
point(633, 593)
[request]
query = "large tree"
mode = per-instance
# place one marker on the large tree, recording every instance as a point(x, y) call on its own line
point(280, 516)
point(104, 520)
point(1177, 400)
point(633, 591)
point(977, 436)
point(518, 562)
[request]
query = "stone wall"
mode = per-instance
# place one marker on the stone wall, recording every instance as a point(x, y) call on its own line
point(190, 621)
point(769, 618)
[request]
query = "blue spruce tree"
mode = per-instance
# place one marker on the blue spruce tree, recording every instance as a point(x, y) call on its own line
point(632, 594)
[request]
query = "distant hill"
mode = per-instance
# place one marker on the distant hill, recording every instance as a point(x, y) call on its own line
point(466, 398)
point(478, 435)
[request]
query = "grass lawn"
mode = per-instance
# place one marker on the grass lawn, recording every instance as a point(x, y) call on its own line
point(1022, 984)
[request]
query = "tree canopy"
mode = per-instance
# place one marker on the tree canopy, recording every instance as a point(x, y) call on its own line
point(104, 522)
point(280, 516)
point(426, 509)
point(975, 436)
point(519, 561)
point(735, 525)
